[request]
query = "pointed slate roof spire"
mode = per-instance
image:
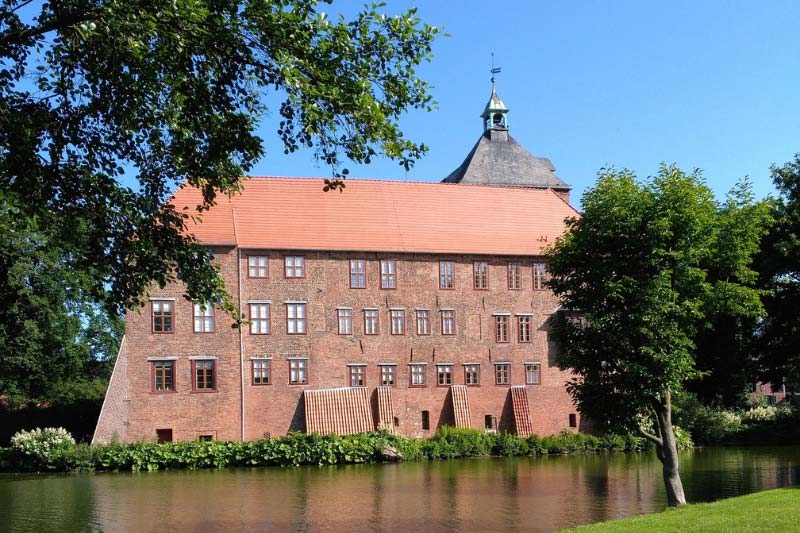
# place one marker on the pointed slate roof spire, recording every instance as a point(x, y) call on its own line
point(498, 159)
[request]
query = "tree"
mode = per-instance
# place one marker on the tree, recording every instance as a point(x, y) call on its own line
point(642, 271)
point(45, 322)
point(778, 343)
point(172, 92)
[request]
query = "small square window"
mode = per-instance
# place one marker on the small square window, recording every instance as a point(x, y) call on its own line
point(539, 276)
point(259, 319)
point(257, 266)
point(417, 375)
point(295, 266)
point(514, 276)
point(205, 375)
point(370, 321)
point(296, 319)
point(448, 322)
point(357, 375)
point(205, 438)
point(472, 374)
point(298, 371)
point(480, 271)
point(502, 373)
point(447, 275)
point(533, 373)
point(426, 420)
point(163, 376)
point(444, 375)
point(388, 274)
point(345, 320)
point(203, 317)
point(388, 375)
point(398, 319)
point(261, 372)
point(163, 315)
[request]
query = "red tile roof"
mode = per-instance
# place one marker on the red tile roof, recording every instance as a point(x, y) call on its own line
point(390, 216)
point(460, 406)
point(385, 408)
point(342, 411)
point(522, 410)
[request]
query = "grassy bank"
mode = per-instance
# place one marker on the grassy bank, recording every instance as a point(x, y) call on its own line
point(297, 449)
point(774, 510)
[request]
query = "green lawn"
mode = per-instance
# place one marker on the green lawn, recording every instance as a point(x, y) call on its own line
point(773, 510)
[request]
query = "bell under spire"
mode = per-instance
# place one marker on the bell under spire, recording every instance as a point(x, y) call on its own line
point(495, 114)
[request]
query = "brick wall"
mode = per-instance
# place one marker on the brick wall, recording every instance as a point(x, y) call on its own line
point(277, 408)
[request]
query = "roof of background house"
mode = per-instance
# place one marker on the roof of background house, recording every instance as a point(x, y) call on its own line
point(387, 216)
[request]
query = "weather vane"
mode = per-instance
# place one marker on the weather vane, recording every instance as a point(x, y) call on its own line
point(495, 70)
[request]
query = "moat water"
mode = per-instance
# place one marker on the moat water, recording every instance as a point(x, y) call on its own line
point(528, 494)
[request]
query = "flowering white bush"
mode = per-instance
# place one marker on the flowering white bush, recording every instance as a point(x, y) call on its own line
point(760, 414)
point(42, 445)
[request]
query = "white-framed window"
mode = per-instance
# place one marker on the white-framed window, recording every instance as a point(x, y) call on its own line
point(295, 266)
point(358, 375)
point(345, 320)
point(447, 275)
point(261, 374)
point(388, 274)
point(162, 316)
point(444, 375)
point(388, 375)
point(533, 373)
point(448, 322)
point(358, 274)
point(502, 373)
point(423, 322)
point(398, 319)
point(298, 371)
point(539, 276)
point(480, 271)
point(514, 276)
point(417, 375)
point(370, 321)
point(524, 328)
point(203, 317)
point(257, 266)
point(501, 328)
point(472, 374)
point(296, 318)
point(259, 319)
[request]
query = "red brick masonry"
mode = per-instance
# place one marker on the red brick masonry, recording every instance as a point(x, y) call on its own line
point(237, 408)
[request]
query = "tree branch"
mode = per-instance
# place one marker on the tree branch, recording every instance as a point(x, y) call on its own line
point(649, 436)
point(58, 22)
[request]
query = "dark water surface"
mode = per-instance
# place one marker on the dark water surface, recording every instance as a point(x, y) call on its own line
point(526, 494)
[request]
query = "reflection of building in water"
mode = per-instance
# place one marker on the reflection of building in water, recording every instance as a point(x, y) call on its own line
point(405, 306)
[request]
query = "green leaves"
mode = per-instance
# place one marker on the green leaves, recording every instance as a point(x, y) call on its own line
point(173, 92)
point(647, 266)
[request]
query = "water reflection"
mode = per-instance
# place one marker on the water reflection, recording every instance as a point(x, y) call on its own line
point(531, 494)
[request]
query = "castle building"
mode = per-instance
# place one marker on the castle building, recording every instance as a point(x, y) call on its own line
point(395, 305)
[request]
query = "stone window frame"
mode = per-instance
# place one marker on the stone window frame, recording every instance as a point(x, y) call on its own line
point(480, 275)
point(161, 316)
point(388, 271)
point(359, 274)
point(294, 266)
point(256, 321)
point(258, 266)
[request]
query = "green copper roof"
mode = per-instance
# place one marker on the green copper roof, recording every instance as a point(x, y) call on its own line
point(494, 104)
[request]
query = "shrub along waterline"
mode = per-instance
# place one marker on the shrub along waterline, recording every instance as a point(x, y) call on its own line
point(300, 449)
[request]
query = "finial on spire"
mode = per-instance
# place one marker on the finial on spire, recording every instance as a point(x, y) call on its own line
point(495, 70)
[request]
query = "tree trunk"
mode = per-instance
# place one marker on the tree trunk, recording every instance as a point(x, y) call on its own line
point(667, 452)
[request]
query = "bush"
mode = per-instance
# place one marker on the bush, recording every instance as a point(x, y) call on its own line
point(42, 449)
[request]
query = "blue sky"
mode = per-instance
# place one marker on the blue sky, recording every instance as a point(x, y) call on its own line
point(712, 85)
